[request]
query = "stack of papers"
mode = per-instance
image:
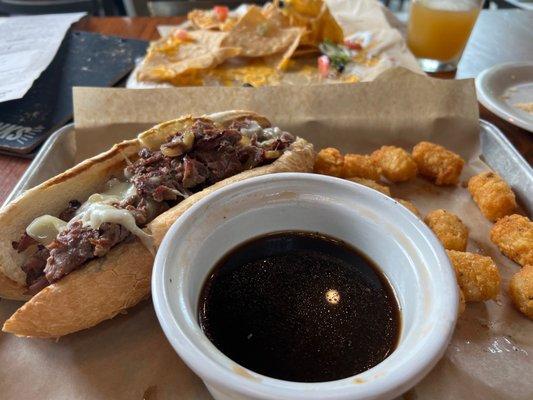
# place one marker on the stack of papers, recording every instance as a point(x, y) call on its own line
point(28, 45)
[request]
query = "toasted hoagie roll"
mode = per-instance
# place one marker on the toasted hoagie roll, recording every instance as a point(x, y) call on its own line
point(80, 247)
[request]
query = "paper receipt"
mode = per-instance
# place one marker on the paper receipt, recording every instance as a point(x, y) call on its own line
point(28, 46)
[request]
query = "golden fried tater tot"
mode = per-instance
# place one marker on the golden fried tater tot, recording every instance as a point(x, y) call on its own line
point(521, 290)
point(514, 237)
point(477, 275)
point(360, 166)
point(462, 302)
point(493, 195)
point(329, 161)
point(437, 163)
point(372, 184)
point(449, 228)
point(396, 164)
point(410, 206)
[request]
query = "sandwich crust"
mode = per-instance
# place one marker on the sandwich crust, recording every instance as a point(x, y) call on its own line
point(99, 291)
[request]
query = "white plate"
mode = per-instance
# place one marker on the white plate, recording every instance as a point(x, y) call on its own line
point(501, 87)
point(523, 4)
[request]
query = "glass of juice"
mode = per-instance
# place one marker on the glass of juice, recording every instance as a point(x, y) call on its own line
point(438, 31)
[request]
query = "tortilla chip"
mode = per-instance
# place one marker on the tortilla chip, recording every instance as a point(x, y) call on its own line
point(328, 28)
point(306, 50)
point(171, 58)
point(272, 12)
point(258, 37)
point(207, 19)
point(283, 62)
point(203, 19)
point(229, 24)
point(308, 8)
point(315, 17)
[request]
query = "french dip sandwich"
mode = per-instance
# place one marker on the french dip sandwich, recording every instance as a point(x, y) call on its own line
point(80, 246)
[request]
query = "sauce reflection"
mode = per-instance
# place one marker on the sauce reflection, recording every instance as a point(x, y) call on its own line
point(333, 296)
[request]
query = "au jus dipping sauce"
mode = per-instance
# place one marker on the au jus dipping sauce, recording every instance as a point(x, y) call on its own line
point(301, 307)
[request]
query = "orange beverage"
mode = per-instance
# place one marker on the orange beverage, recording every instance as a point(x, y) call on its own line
point(439, 29)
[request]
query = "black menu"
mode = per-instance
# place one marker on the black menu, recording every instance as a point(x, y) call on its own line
point(83, 59)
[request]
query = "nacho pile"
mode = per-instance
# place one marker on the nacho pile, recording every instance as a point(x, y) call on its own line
point(289, 42)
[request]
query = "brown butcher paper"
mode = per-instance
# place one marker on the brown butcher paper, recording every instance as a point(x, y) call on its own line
point(128, 357)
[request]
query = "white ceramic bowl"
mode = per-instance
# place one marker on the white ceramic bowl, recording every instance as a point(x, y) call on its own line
point(500, 87)
point(398, 242)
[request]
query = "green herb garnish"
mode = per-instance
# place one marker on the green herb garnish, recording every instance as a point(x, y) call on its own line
point(338, 55)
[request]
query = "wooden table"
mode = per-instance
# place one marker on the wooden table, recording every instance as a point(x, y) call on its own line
point(499, 36)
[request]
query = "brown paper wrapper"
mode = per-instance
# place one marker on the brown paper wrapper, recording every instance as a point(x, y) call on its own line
point(129, 358)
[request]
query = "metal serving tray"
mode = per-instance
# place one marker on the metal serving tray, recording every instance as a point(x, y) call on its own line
point(60, 152)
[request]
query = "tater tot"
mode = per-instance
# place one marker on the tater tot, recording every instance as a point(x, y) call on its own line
point(410, 206)
point(437, 163)
point(449, 228)
point(477, 275)
point(514, 237)
point(360, 166)
point(372, 184)
point(521, 290)
point(329, 161)
point(492, 195)
point(462, 302)
point(396, 164)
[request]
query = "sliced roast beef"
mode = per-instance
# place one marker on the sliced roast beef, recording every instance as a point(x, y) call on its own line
point(109, 235)
point(38, 284)
point(68, 213)
point(78, 244)
point(156, 176)
point(194, 172)
point(217, 153)
point(215, 139)
point(34, 266)
point(141, 210)
point(221, 164)
point(24, 242)
point(251, 155)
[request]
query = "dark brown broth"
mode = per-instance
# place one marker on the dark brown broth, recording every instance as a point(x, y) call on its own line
point(301, 307)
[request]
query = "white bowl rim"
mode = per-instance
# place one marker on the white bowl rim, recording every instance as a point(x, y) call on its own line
point(489, 100)
point(219, 376)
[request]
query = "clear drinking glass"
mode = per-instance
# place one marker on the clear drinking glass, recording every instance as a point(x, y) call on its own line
point(438, 31)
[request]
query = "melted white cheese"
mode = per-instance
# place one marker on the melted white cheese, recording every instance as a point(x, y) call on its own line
point(252, 128)
point(93, 213)
point(262, 133)
point(120, 189)
point(44, 229)
point(98, 213)
point(115, 193)
point(272, 133)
